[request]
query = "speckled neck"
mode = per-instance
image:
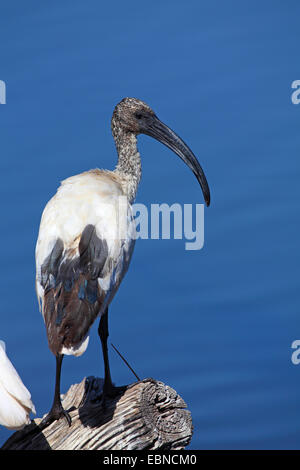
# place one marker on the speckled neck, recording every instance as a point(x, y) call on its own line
point(129, 163)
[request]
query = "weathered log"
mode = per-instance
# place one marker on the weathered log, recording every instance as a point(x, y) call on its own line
point(145, 415)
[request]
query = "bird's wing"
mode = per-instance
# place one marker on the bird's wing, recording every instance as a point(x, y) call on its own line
point(80, 263)
point(11, 382)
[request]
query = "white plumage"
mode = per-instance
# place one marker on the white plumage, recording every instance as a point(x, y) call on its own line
point(15, 399)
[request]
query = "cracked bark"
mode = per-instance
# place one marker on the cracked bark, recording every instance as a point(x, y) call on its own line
point(148, 415)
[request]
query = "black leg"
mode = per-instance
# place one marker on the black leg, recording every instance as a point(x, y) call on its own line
point(108, 388)
point(57, 411)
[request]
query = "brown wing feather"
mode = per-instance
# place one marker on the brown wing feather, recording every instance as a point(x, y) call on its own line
point(72, 297)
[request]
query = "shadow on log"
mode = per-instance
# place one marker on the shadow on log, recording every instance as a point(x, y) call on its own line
point(147, 415)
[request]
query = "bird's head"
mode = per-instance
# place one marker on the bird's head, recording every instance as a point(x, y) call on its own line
point(134, 116)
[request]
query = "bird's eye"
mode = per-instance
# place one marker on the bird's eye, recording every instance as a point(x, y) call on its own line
point(138, 115)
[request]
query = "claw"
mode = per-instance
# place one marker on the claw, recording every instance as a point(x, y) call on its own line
point(55, 414)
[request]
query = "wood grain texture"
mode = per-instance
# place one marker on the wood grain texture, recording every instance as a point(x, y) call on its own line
point(146, 415)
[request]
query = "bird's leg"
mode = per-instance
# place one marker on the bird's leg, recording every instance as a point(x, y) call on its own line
point(57, 411)
point(103, 334)
point(109, 390)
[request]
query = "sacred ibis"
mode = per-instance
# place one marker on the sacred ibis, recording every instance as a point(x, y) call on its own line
point(81, 257)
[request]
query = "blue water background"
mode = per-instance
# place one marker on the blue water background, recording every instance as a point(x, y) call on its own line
point(215, 324)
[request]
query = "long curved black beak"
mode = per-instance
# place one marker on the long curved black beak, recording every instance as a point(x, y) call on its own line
point(159, 131)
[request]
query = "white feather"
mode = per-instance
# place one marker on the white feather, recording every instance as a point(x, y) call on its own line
point(15, 399)
point(78, 349)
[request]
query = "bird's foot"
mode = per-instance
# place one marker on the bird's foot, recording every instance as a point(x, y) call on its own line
point(110, 392)
point(56, 412)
